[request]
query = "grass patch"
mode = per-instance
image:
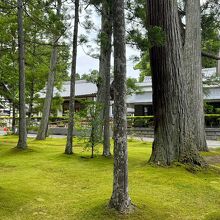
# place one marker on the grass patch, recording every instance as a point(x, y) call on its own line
point(43, 183)
point(212, 152)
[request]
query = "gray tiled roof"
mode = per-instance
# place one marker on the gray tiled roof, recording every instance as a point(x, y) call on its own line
point(84, 88)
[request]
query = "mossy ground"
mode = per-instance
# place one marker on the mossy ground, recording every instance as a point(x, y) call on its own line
point(43, 183)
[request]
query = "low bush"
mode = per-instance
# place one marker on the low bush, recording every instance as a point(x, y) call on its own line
point(212, 120)
point(140, 121)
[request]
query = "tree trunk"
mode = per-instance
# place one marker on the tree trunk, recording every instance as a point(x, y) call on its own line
point(13, 117)
point(103, 95)
point(30, 109)
point(92, 141)
point(69, 144)
point(120, 199)
point(218, 65)
point(13, 89)
point(174, 139)
point(193, 67)
point(22, 142)
point(42, 132)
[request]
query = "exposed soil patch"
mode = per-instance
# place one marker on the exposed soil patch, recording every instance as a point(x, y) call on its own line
point(213, 159)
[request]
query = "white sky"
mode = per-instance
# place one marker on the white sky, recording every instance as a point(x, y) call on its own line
point(86, 63)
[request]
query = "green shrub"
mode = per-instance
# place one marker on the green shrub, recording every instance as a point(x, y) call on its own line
point(212, 120)
point(217, 110)
point(140, 121)
point(209, 109)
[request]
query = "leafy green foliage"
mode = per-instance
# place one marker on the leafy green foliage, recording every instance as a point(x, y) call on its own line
point(140, 121)
point(93, 77)
point(40, 23)
point(136, 38)
point(132, 86)
point(144, 37)
point(211, 120)
point(143, 66)
point(156, 36)
point(210, 30)
point(86, 121)
point(55, 107)
point(208, 109)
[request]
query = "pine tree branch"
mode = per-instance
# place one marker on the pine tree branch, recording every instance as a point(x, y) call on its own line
point(211, 56)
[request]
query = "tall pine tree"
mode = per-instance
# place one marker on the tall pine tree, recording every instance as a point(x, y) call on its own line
point(120, 199)
point(22, 142)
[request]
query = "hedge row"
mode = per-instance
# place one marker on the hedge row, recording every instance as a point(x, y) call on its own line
point(211, 120)
point(140, 121)
point(37, 117)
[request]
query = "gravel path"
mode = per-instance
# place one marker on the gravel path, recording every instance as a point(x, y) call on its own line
point(211, 143)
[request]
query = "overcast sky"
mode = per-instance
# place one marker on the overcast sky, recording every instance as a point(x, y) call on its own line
point(86, 63)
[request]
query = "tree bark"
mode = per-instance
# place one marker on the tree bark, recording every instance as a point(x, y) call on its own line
point(103, 95)
point(13, 118)
point(30, 109)
point(218, 65)
point(32, 89)
point(22, 141)
point(69, 144)
point(120, 199)
point(42, 132)
point(174, 141)
point(193, 67)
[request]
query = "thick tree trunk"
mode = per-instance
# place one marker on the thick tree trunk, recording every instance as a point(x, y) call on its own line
point(22, 142)
point(103, 96)
point(193, 67)
point(120, 199)
point(174, 139)
point(69, 144)
point(42, 132)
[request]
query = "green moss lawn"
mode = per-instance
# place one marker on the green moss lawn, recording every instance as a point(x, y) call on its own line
point(43, 183)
